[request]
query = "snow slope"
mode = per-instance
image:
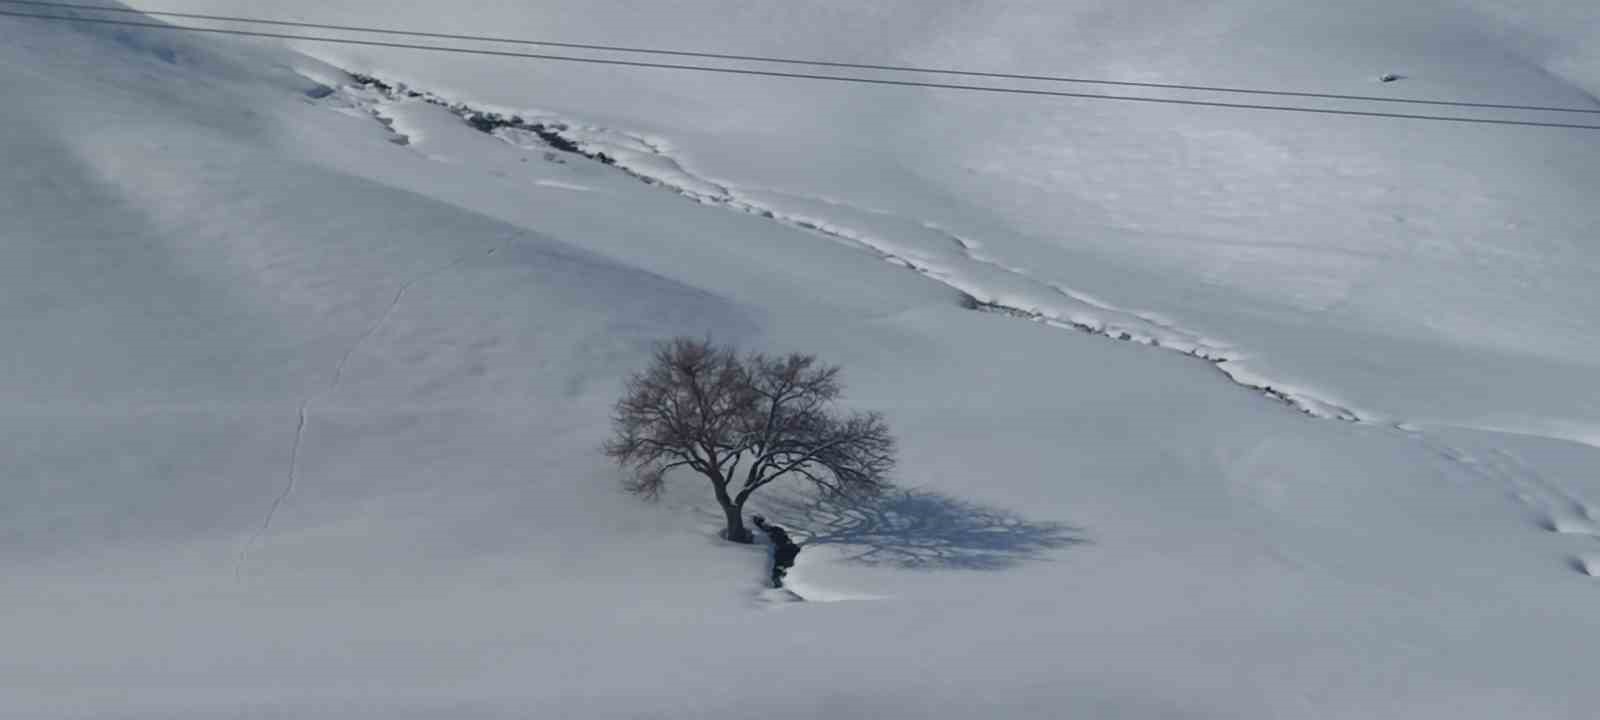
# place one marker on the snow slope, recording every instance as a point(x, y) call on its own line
point(302, 420)
point(1298, 242)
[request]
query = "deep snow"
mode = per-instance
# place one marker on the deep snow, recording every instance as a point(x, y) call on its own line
point(302, 421)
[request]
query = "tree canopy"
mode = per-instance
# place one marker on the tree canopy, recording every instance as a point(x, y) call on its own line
point(744, 422)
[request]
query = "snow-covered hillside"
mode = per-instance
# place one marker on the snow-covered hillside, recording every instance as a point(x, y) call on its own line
point(1295, 242)
point(304, 381)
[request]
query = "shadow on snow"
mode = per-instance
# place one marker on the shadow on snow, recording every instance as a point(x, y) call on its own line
point(919, 529)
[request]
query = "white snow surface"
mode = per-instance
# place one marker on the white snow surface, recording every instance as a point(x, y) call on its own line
point(304, 383)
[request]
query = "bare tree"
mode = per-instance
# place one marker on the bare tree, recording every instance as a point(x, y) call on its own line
point(744, 423)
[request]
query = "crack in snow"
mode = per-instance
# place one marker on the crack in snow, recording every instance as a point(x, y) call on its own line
point(293, 474)
point(288, 489)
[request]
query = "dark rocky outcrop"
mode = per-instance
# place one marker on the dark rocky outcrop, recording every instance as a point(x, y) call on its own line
point(487, 122)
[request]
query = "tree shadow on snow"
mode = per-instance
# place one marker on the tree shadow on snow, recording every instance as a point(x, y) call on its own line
point(919, 529)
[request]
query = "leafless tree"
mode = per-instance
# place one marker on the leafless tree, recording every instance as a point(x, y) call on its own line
point(744, 422)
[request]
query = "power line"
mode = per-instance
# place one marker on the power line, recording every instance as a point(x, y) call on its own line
point(799, 61)
point(806, 76)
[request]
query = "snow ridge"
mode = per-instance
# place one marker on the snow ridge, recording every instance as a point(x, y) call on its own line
point(984, 284)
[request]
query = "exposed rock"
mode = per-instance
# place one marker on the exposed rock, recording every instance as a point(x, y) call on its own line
point(487, 122)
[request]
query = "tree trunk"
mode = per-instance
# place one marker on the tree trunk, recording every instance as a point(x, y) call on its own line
point(736, 531)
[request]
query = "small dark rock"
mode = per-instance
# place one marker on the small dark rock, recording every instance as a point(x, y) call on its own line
point(371, 82)
point(554, 139)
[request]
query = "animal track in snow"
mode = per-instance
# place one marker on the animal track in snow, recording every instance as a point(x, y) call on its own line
point(1554, 510)
point(1558, 511)
point(1566, 525)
